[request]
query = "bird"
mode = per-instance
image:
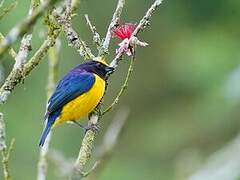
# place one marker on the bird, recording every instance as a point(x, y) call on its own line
point(76, 94)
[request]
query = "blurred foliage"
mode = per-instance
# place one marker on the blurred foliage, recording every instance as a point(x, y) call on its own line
point(181, 110)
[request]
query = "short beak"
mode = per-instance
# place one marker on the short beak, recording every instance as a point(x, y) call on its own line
point(109, 70)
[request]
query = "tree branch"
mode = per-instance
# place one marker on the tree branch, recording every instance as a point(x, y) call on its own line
point(144, 22)
point(86, 149)
point(16, 76)
point(2, 133)
point(73, 38)
point(114, 22)
point(3, 148)
point(96, 36)
point(24, 27)
point(25, 45)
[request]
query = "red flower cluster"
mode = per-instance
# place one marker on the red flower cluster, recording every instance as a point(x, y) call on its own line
point(124, 31)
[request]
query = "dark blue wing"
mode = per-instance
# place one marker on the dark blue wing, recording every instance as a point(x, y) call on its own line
point(70, 87)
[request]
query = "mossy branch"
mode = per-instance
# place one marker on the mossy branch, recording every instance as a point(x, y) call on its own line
point(16, 76)
point(96, 36)
point(24, 27)
point(74, 40)
point(85, 150)
point(25, 46)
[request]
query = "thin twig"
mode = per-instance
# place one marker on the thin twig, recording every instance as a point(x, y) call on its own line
point(114, 22)
point(24, 27)
point(5, 160)
point(96, 36)
point(52, 80)
point(2, 133)
point(3, 149)
point(74, 40)
point(25, 46)
point(123, 88)
point(145, 20)
point(11, 50)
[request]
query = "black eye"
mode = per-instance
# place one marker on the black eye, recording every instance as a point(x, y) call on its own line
point(99, 65)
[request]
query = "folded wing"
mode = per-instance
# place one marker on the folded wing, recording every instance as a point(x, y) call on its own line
point(70, 87)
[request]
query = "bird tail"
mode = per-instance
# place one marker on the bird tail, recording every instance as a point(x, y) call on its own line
point(49, 121)
point(45, 133)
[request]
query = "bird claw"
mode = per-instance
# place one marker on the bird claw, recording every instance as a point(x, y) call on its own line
point(93, 127)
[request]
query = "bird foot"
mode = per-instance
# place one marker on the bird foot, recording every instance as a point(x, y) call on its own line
point(92, 127)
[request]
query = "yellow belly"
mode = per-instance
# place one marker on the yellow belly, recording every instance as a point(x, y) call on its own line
point(83, 104)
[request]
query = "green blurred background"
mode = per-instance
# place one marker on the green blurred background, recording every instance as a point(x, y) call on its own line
point(183, 96)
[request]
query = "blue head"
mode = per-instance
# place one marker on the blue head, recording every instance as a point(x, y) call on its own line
point(98, 67)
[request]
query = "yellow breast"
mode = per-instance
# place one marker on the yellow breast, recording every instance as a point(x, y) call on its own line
point(83, 104)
